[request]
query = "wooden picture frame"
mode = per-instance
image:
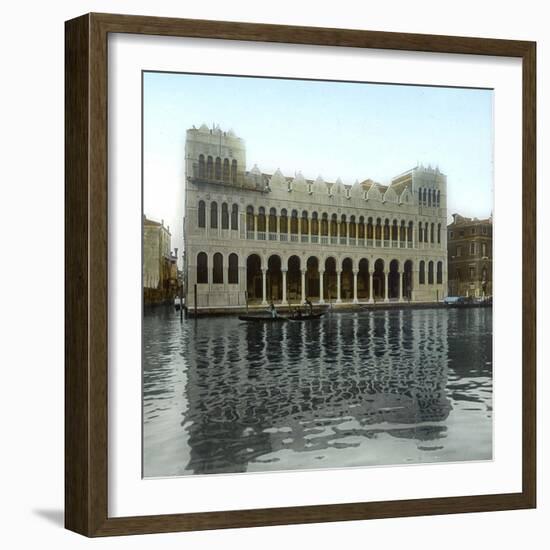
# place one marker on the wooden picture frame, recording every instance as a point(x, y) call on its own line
point(86, 279)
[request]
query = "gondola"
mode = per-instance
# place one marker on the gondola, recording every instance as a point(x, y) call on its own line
point(309, 317)
point(262, 319)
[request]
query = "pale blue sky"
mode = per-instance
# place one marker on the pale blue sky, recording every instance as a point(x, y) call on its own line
point(335, 129)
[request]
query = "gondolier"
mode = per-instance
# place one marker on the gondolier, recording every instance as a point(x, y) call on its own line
point(308, 303)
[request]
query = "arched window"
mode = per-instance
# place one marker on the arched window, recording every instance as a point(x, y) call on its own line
point(378, 229)
point(334, 225)
point(424, 201)
point(410, 232)
point(439, 233)
point(420, 233)
point(324, 225)
point(304, 223)
point(361, 228)
point(422, 272)
point(439, 198)
point(386, 229)
point(226, 174)
point(430, 273)
point(261, 218)
point(426, 234)
point(284, 221)
point(294, 222)
point(352, 228)
point(214, 215)
point(202, 166)
point(218, 168)
point(439, 273)
point(432, 229)
point(250, 218)
point(233, 273)
point(225, 216)
point(394, 230)
point(429, 197)
point(217, 270)
point(210, 168)
point(343, 226)
point(202, 214)
point(420, 196)
point(272, 220)
point(314, 224)
point(202, 268)
point(235, 216)
point(234, 171)
point(370, 229)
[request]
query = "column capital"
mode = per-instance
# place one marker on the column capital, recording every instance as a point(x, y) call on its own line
point(355, 271)
point(284, 269)
point(321, 271)
point(303, 271)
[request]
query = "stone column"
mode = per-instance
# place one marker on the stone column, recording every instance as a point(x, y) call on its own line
point(371, 278)
point(355, 272)
point(255, 227)
point(400, 286)
point(303, 285)
point(321, 297)
point(338, 298)
point(264, 285)
point(386, 285)
point(415, 283)
point(445, 280)
point(242, 284)
point(283, 271)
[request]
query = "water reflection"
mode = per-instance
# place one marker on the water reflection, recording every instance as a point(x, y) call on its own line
point(352, 389)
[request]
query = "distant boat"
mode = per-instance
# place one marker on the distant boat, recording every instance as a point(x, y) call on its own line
point(262, 319)
point(466, 301)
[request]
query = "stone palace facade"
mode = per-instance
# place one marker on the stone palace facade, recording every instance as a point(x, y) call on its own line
point(470, 256)
point(251, 237)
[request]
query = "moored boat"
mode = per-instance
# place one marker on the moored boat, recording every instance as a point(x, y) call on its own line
point(308, 317)
point(262, 319)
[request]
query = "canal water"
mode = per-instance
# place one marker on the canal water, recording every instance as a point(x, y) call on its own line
point(352, 389)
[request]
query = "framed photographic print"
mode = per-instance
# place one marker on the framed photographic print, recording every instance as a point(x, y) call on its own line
point(300, 274)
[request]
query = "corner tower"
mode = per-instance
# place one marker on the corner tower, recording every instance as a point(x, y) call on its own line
point(214, 156)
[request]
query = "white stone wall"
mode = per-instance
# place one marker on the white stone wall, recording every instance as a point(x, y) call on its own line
point(321, 197)
point(156, 246)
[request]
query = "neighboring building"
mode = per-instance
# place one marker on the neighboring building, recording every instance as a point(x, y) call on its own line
point(160, 272)
point(470, 246)
point(262, 237)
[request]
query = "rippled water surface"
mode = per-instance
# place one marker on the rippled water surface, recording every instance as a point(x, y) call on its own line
point(352, 389)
